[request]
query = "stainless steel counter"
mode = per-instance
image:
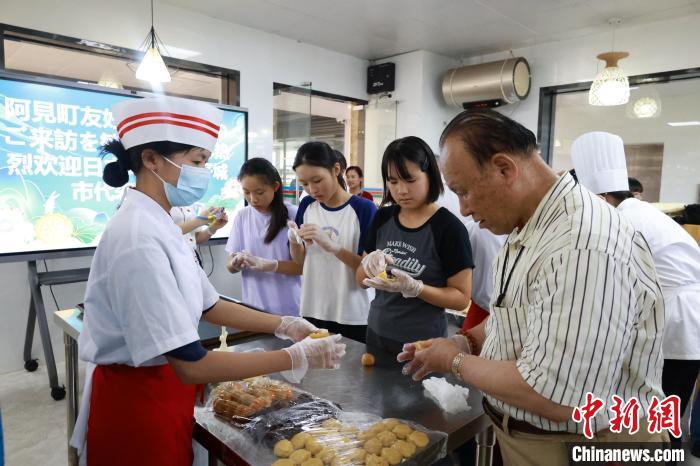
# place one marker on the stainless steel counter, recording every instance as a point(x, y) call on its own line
point(380, 389)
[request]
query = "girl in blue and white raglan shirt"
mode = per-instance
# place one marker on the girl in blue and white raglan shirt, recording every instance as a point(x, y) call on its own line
point(328, 242)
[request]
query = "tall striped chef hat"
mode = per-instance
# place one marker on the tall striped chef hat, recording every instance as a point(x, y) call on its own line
point(599, 160)
point(167, 119)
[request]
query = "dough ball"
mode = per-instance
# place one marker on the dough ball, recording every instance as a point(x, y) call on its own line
point(373, 446)
point(387, 438)
point(366, 435)
point(283, 462)
point(283, 448)
point(326, 455)
point(420, 439)
point(422, 344)
point(407, 449)
point(312, 462)
point(367, 359)
point(391, 423)
point(376, 428)
point(331, 423)
point(299, 440)
point(392, 455)
point(300, 456)
point(319, 334)
point(375, 460)
point(313, 446)
point(357, 455)
point(402, 431)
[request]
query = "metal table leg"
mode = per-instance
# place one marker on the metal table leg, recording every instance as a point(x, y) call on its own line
point(71, 347)
point(485, 440)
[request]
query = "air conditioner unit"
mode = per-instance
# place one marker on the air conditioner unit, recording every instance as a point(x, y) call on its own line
point(487, 85)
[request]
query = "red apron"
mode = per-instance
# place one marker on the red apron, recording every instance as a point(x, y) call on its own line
point(140, 416)
point(475, 315)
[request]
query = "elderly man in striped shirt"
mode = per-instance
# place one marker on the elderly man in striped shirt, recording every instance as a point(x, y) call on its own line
point(576, 304)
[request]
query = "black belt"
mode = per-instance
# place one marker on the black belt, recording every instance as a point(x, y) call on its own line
point(515, 424)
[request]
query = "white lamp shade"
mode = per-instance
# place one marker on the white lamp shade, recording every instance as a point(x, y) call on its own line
point(152, 68)
point(610, 87)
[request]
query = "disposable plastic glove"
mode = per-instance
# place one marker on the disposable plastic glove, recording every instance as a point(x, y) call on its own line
point(311, 232)
point(238, 261)
point(260, 264)
point(402, 283)
point(293, 233)
point(310, 353)
point(375, 263)
point(294, 328)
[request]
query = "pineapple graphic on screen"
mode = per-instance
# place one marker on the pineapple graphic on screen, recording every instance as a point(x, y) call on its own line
point(53, 228)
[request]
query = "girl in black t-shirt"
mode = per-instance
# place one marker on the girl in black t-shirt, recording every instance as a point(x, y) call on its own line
point(417, 254)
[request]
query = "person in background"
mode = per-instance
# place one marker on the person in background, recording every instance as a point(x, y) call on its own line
point(636, 188)
point(146, 296)
point(200, 228)
point(333, 224)
point(258, 244)
point(425, 247)
point(599, 161)
point(356, 180)
point(556, 330)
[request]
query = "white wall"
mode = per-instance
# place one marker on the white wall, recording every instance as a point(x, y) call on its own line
point(261, 58)
point(421, 110)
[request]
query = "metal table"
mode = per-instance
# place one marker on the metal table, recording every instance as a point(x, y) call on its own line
point(380, 390)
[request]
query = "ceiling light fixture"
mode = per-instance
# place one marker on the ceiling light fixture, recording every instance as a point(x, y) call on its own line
point(683, 123)
point(152, 67)
point(645, 107)
point(611, 86)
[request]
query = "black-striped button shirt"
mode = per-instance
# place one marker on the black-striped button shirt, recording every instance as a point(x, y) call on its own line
point(583, 310)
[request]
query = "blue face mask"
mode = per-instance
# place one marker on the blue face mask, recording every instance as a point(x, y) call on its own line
point(191, 185)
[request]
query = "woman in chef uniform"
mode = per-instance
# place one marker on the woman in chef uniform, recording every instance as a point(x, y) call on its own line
point(599, 160)
point(146, 295)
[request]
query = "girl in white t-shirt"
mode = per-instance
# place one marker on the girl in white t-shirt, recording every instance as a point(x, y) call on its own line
point(328, 242)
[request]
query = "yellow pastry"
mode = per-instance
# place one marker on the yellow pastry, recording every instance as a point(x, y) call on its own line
point(312, 462)
point(385, 276)
point(300, 456)
point(387, 438)
point(326, 455)
point(402, 431)
point(422, 344)
point(367, 359)
point(313, 446)
point(319, 334)
point(299, 440)
point(392, 455)
point(373, 446)
point(283, 462)
point(391, 423)
point(407, 449)
point(419, 438)
point(375, 460)
point(283, 449)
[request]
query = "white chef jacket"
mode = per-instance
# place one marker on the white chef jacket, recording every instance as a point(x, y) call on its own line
point(676, 256)
point(144, 297)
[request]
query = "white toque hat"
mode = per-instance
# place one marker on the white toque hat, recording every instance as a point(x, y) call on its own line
point(167, 119)
point(599, 161)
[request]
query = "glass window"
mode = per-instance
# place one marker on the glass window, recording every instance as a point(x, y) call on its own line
point(660, 127)
point(59, 62)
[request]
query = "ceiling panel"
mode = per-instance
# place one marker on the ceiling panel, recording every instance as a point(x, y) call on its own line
point(373, 29)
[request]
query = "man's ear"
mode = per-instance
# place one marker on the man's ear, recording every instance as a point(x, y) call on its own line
point(504, 166)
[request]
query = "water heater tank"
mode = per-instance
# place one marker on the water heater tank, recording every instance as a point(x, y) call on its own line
point(487, 84)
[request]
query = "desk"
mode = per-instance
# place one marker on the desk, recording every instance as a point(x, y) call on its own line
point(380, 390)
